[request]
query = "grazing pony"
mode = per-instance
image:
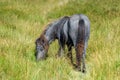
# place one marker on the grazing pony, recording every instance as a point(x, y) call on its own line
point(72, 31)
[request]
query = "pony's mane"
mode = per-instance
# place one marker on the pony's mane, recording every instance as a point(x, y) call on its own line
point(58, 22)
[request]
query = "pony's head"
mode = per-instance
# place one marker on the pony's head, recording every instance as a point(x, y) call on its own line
point(41, 48)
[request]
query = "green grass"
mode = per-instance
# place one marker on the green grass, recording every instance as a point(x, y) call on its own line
point(22, 21)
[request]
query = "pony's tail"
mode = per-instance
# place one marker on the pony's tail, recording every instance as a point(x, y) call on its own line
point(80, 42)
point(81, 32)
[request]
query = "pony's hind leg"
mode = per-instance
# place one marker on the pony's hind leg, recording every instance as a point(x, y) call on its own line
point(83, 62)
point(79, 55)
point(83, 59)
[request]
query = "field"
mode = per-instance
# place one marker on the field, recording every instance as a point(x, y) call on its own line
point(22, 21)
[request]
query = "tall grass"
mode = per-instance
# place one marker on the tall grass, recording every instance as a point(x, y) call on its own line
point(22, 21)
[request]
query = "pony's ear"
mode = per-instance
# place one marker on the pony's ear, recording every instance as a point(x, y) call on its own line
point(37, 40)
point(43, 41)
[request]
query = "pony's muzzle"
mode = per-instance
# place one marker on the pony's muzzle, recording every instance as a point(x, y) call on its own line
point(40, 56)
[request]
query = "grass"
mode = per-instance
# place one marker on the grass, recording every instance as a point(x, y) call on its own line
point(22, 21)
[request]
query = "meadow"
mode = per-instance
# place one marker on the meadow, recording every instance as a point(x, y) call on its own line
point(22, 21)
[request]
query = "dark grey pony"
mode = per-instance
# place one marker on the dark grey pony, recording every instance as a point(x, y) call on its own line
point(70, 31)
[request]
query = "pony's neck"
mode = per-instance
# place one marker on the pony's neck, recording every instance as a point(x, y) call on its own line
point(51, 32)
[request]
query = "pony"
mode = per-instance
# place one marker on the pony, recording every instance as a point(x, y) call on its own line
point(73, 31)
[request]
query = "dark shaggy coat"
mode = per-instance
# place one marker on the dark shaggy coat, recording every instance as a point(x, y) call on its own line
point(70, 31)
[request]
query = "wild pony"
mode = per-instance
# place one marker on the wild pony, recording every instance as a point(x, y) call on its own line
point(71, 31)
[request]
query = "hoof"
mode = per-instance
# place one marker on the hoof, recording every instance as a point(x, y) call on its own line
point(77, 68)
point(84, 71)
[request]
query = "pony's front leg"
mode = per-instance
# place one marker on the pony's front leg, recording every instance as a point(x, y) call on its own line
point(70, 53)
point(61, 49)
